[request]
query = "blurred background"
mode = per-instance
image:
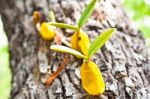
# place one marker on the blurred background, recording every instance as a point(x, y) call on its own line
point(5, 72)
point(137, 10)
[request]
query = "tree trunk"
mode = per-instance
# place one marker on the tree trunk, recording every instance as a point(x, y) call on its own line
point(124, 60)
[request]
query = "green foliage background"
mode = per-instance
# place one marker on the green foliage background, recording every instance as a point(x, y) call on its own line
point(139, 11)
point(5, 72)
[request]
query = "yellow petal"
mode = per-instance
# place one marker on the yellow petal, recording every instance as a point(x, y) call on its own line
point(80, 42)
point(74, 41)
point(46, 31)
point(91, 77)
point(83, 43)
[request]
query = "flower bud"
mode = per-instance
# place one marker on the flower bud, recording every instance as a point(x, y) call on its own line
point(91, 77)
point(46, 31)
point(80, 42)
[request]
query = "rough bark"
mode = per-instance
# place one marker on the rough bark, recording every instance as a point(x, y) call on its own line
point(124, 60)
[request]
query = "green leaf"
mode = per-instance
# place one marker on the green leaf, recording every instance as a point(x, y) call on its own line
point(65, 49)
point(86, 13)
point(100, 41)
point(63, 25)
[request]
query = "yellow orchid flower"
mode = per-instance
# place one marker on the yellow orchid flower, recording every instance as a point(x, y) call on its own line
point(46, 31)
point(92, 80)
point(91, 77)
point(80, 42)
